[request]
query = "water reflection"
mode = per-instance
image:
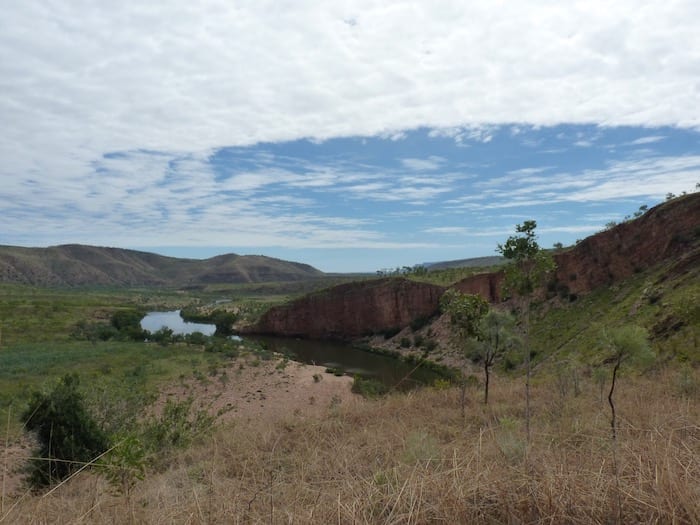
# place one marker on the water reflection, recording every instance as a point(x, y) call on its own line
point(353, 361)
point(154, 321)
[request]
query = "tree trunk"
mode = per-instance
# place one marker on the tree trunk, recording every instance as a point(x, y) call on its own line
point(526, 331)
point(613, 422)
point(613, 425)
point(486, 383)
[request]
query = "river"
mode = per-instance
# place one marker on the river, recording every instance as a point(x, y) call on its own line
point(331, 354)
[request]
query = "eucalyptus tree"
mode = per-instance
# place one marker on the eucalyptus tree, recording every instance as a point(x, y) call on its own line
point(495, 336)
point(625, 344)
point(466, 312)
point(527, 269)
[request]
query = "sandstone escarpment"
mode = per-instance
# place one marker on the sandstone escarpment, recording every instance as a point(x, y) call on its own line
point(353, 310)
point(669, 231)
point(487, 285)
point(666, 232)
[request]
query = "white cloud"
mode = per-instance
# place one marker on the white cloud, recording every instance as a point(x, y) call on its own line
point(652, 178)
point(645, 140)
point(183, 76)
point(429, 164)
point(529, 171)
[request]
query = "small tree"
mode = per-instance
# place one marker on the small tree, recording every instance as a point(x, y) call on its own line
point(466, 312)
point(625, 344)
point(68, 435)
point(528, 267)
point(496, 336)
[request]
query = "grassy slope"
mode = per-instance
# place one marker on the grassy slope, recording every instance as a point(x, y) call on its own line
point(667, 305)
point(413, 459)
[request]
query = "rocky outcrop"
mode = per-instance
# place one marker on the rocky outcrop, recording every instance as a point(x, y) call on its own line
point(353, 310)
point(668, 231)
point(487, 285)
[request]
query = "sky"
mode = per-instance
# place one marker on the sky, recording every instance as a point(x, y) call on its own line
point(350, 135)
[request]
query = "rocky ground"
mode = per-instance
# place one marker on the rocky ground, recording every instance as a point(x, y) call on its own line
point(271, 390)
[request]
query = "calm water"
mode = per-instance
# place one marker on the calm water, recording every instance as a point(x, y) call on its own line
point(331, 354)
point(388, 370)
point(154, 321)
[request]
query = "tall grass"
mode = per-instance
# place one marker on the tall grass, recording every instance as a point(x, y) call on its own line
point(413, 459)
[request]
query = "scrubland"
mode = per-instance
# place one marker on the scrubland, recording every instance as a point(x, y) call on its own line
point(413, 458)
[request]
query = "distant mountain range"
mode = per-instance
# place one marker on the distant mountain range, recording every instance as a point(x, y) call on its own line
point(474, 262)
point(80, 265)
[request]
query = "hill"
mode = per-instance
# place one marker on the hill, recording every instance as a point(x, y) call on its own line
point(80, 265)
point(474, 262)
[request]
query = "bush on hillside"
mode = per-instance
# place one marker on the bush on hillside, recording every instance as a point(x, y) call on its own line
point(68, 435)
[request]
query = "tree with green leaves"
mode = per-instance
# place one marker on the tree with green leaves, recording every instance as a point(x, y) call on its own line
point(528, 267)
point(484, 334)
point(626, 344)
point(495, 336)
point(465, 312)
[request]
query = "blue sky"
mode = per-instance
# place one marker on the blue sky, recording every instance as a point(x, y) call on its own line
point(352, 136)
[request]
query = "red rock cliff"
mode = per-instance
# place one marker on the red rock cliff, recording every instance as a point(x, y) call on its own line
point(668, 231)
point(487, 285)
point(353, 310)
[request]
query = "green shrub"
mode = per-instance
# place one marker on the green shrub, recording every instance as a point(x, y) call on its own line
point(371, 388)
point(196, 338)
point(177, 426)
point(128, 324)
point(442, 384)
point(68, 435)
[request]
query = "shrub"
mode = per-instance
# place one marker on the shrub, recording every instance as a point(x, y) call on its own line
point(419, 323)
point(223, 320)
point(442, 384)
point(68, 435)
point(177, 426)
point(128, 323)
point(162, 336)
point(196, 338)
point(371, 388)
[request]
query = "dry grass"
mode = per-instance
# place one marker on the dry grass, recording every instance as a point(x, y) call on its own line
point(412, 459)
